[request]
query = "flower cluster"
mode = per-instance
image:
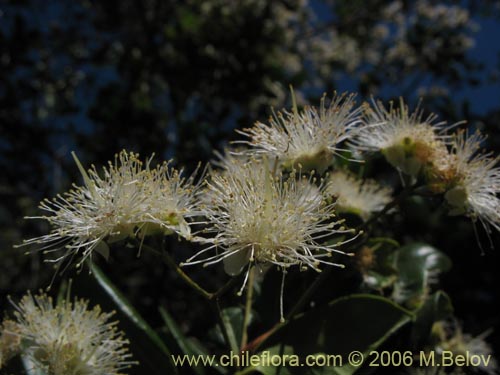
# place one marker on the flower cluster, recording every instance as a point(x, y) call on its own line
point(450, 337)
point(286, 200)
point(408, 141)
point(266, 218)
point(362, 197)
point(271, 202)
point(129, 199)
point(473, 180)
point(68, 338)
point(450, 163)
point(261, 207)
point(263, 217)
point(309, 138)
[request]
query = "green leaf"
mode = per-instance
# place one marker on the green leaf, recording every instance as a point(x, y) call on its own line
point(88, 181)
point(186, 345)
point(176, 332)
point(128, 310)
point(435, 308)
point(359, 322)
point(383, 241)
point(417, 264)
point(232, 318)
point(378, 281)
point(267, 368)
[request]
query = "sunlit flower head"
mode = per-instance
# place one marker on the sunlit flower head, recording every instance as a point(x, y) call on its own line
point(351, 194)
point(309, 138)
point(233, 159)
point(474, 180)
point(408, 141)
point(258, 217)
point(173, 202)
point(70, 338)
point(128, 198)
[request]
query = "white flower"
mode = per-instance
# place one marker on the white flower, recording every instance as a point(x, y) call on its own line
point(474, 181)
point(173, 199)
point(309, 138)
point(69, 338)
point(408, 141)
point(478, 346)
point(268, 219)
point(466, 344)
point(362, 197)
point(261, 218)
point(128, 199)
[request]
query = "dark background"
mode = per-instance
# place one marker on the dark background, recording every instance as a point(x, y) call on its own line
point(175, 78)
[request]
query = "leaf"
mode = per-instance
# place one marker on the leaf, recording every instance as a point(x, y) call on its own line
point(381, 241)
point(232, 318)
point(128, 310)
point(378, 281)
point(266, 368)
point(176, 332)
point(417, 264)
point(186, 346)
point(88, 181)
point(359, 322)
point(435, 308)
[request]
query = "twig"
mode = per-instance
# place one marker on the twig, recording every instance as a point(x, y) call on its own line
point(212, 298)
point(218, 313)
point(248, 307)
point(308, 293)
point(223, 289)
point(167, 259)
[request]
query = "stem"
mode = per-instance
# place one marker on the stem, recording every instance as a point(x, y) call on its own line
point(212, 298)
point(248, 308)
point(308, 293)
point(193, 284)
point(167, 259)
point(223, 289)
point(217, 311)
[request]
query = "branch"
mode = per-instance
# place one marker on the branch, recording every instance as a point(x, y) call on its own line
point(169, 261)
point(248, 307)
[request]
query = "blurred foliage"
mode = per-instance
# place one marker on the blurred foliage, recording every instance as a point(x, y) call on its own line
point(176, 78)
